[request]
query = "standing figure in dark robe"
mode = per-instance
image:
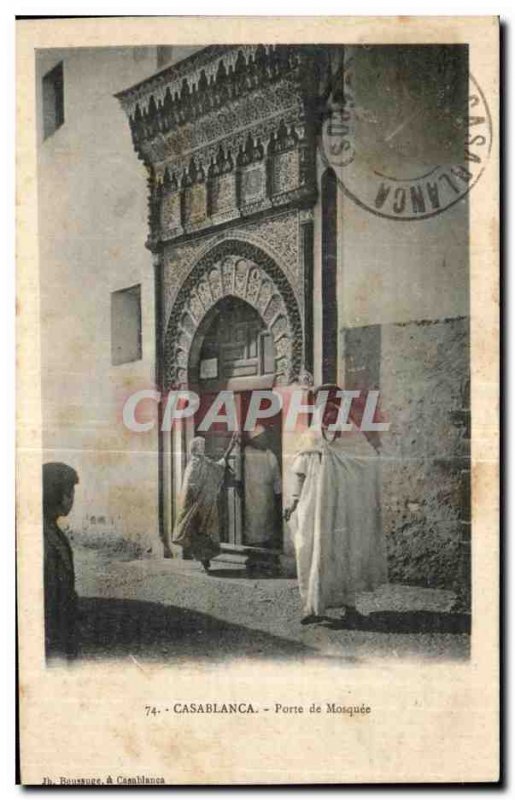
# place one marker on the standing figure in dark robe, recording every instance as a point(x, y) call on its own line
point(59, 577)
point(197, 529)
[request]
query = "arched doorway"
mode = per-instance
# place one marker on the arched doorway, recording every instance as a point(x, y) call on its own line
point(241, 270)
point(236, 281)
point(233, 350)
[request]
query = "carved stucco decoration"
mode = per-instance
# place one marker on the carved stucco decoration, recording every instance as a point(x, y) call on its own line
point(228, 137)
point(226, 134)
point(234, 269)
point(276, 236)
point(208, 82)
point(252, 174)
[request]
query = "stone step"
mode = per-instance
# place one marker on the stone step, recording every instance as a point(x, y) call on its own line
point(251, 559)
point(238, 559)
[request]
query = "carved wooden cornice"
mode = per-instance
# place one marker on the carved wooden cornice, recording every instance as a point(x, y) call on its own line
point(203, 83)
point(226, 133)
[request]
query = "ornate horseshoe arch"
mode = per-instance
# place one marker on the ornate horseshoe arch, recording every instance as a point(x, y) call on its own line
point(238, 269)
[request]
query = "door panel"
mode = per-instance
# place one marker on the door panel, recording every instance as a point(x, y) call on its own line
point(237, 345)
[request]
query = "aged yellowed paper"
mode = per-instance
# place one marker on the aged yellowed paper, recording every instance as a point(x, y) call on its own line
point(257, 431)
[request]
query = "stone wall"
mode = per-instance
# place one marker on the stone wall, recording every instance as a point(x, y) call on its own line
point(422, 372)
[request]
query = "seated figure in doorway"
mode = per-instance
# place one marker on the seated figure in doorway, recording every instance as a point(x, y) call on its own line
point(262, 491)
point(197, 529)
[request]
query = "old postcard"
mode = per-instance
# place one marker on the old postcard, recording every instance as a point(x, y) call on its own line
point(258, 400)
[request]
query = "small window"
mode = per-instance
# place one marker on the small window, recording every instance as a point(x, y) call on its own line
point(53, 100)
point(126, 325)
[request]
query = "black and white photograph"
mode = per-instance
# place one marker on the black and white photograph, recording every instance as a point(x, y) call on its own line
point(199, 233)
point(254, 271)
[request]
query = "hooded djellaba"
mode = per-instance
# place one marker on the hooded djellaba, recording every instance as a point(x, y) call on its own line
point(336, 517)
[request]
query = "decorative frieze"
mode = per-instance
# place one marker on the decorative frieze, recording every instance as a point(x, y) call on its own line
point(285, 172)
point(170, 213)
point(168, 101)
point(228, 133)
point(222, 195)
point(195, 204)
point(253, 183)
point(240, 181)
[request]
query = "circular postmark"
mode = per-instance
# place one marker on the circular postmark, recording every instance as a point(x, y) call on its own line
point(408, 165)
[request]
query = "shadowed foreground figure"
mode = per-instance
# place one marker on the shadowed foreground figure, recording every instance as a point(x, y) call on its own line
point(338, 538)
point(59, 577)
point(197, 529)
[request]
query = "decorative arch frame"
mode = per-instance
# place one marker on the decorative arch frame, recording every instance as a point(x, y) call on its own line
point(234, 268)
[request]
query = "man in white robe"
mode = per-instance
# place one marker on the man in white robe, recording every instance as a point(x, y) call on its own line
point(340, 549)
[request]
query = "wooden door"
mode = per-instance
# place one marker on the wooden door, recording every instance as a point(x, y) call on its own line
point(237, 353)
